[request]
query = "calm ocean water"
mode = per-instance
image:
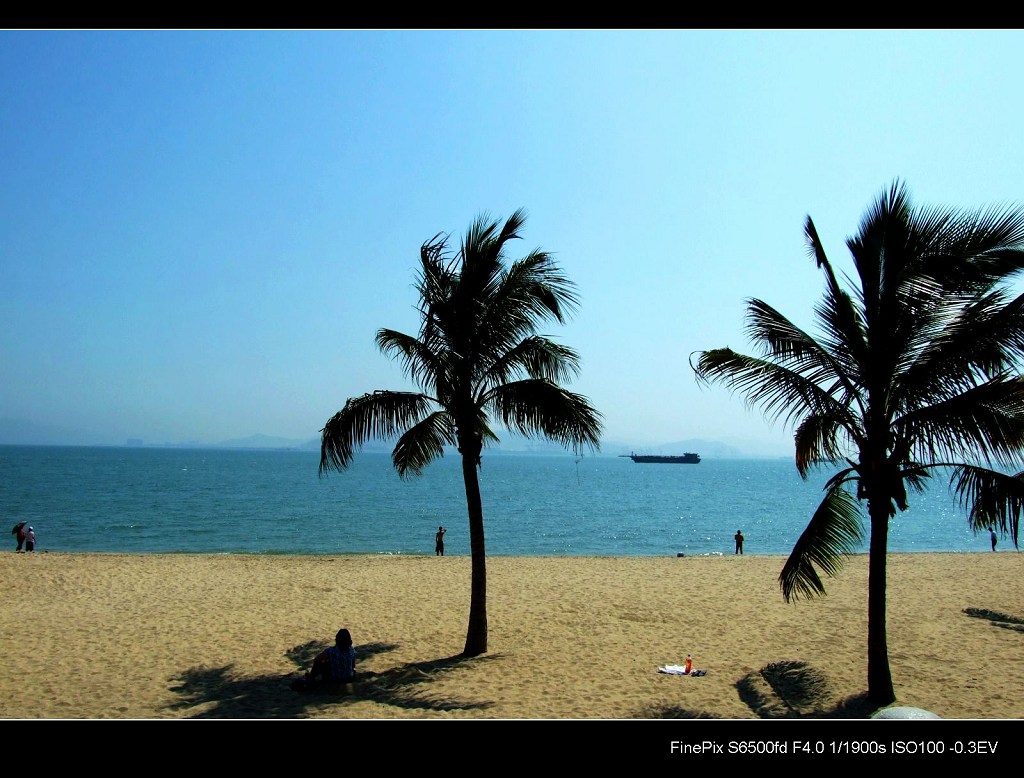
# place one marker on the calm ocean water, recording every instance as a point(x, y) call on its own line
point(154, 500)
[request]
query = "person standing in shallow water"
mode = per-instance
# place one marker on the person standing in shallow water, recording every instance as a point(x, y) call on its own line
point(992, 533)
point(739, 542)
point(439, 541)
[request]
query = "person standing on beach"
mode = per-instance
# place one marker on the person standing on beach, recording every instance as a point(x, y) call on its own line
point(992, 534)
point(19, 531)
point(439, 541)
point(30, 540)
point(739, 542)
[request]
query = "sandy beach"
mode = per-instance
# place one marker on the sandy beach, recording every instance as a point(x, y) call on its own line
point(111, 636)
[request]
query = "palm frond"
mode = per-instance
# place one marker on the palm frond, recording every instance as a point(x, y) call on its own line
point(776, 335)
point(537, 407)
point(790, 347)
point(436, 281)
point(422, 443)
point(782, 394)
point(994, 324)
point(835, 530)
point(540, 287)
point(533, 290)
point(986, 421)
point(876, 253)
point(916, 475)
point(481, 257)
point(817, 251)
point(993, 499)
point(960, 344)
point(843, 343)
point(418, 361)
point(837, 312)
point(484, 240)
point(816, 441)
point(436, 271)
point(381, 414)
point(971, 251)
point(536, 357)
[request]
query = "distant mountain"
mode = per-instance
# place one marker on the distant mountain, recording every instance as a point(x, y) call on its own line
point(512, 443)
point(17, 432)
point(708, 449)
point(264, 441)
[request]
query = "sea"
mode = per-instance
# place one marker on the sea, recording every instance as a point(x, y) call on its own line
point(153, 500)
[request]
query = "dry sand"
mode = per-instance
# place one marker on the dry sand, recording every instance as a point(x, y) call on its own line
point(112, 636)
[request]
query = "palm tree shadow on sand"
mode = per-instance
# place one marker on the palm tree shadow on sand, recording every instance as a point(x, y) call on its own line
point(219, 694)
point(996, 619)
point(783, 690)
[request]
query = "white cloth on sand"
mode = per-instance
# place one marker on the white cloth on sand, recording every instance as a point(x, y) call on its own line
point(673, 670)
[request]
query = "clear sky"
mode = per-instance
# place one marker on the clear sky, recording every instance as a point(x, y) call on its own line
point(201, 231)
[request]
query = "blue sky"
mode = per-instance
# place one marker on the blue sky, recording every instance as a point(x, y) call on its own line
point(201, 231)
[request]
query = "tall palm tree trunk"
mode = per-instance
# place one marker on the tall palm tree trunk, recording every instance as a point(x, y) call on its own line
point(476, 634)
point(880, 689)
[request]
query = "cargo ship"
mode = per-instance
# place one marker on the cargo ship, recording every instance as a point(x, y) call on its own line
point(687, 458)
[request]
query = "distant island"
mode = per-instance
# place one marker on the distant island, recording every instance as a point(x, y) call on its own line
point(22, 433)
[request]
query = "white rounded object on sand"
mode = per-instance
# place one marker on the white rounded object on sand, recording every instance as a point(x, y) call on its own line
point(904, 712)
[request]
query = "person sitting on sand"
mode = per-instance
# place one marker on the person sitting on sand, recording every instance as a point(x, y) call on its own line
point(334, 665)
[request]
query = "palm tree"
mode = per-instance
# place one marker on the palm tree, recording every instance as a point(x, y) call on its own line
point(916, 369)
point(477, 356)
